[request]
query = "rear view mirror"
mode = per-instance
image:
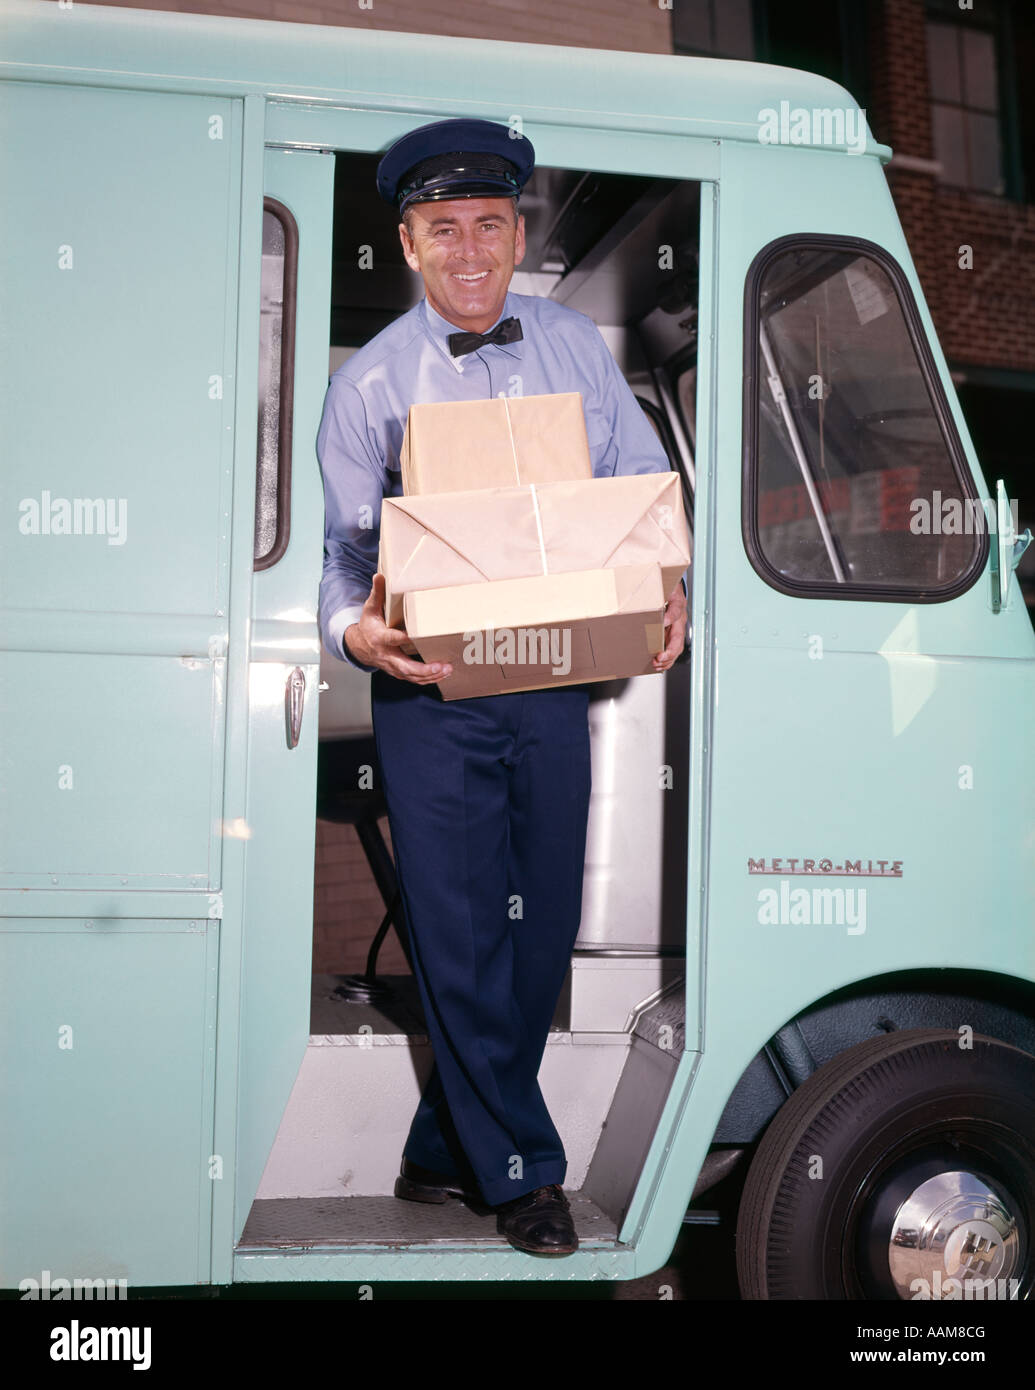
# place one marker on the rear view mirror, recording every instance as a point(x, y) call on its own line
point(1007, 548)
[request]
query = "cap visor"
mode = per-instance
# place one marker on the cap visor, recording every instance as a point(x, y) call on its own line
point(469, 188)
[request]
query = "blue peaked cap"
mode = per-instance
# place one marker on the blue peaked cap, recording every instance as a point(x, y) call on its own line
point(455, 159)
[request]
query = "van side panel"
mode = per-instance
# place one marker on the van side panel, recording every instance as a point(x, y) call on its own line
point(119, 234)
point(117, 404)
point(843, 731)
point(107, 1035)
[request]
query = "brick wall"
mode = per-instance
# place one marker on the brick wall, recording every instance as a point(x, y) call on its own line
point(638, 26)
point(983, 316)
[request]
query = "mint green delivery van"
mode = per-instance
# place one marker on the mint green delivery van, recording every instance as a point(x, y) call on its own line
point(806, 968)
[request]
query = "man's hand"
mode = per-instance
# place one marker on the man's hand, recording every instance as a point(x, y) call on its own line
point(373, 643)
point(675, 629)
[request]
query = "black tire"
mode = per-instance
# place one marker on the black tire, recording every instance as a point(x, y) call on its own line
point(886, 1112)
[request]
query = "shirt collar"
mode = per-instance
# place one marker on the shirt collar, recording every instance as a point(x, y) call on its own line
point(439, 329)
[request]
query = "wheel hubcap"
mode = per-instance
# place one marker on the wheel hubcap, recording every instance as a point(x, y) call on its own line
point(954, 1226)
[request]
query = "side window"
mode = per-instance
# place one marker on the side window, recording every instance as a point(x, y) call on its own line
point(855, 481)
point(276, 383)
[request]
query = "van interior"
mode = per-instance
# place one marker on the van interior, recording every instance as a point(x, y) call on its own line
point(622, 249)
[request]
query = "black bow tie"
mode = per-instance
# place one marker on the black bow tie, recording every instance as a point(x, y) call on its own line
point(509, 331)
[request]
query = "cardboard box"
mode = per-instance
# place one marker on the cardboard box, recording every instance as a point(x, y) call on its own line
point(530, 634)
point(451, 446)
point(576, 573)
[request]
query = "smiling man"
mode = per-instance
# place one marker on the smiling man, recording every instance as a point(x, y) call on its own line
point(469, 298)
point(487, 798)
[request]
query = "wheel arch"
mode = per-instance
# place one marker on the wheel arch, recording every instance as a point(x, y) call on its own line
point(999, 1005)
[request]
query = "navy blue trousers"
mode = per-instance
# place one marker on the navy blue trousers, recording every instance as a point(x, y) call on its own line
point(487, 803)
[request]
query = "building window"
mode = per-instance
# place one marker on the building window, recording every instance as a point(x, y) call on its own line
point(713, 28)
point(965, 105)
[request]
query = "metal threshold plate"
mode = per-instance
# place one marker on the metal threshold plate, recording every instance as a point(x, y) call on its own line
point(339, 1223)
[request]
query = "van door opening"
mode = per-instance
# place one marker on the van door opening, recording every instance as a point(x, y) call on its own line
point(622, 249)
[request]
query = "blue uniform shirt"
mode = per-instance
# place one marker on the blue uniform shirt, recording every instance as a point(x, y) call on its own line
point(409, 363)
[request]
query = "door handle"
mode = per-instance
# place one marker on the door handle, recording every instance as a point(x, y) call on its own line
point(294, 700)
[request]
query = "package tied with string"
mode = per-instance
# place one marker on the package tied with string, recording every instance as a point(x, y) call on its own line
point(537, 585)
point(450, 446)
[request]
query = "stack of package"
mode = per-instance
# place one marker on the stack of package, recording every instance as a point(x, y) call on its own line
point(509, 560)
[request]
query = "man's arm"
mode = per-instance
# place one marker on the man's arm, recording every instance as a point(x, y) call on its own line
point(353, 488)
point(636, 448)
point(351, 595)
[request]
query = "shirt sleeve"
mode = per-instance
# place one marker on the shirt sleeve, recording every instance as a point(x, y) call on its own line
point(354, 481)
point(634, 446)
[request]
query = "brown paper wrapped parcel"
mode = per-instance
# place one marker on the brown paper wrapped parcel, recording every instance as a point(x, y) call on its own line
point(525, 587)
point(450, 446)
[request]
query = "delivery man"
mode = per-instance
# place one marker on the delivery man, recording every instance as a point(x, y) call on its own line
point(487, 797)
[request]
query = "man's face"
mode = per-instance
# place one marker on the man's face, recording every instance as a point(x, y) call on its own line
point(466, 250)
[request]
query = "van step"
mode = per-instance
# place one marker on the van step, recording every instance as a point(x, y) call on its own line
point(663, 1023)
point(306, 1223)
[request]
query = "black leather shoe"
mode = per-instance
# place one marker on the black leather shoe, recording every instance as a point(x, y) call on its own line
point(539, 1222)
point(417, 1184)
